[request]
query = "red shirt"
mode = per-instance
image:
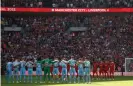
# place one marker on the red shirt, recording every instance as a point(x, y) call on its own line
point(95, 66)
point(112, 66)
point(106, 66)
point(101, 65)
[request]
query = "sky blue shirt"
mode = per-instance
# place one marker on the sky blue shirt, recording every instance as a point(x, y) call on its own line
point(22, 64)
point(63, 64)
point(29, 64)
point(9, 65)
point(72, 62)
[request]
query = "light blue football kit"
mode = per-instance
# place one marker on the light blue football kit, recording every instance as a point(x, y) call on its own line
point(22, 71)
point(16, 65)
point(72, 63)
point(87, 71)
point(38, 71)
point(30, 70)
point(63, 64)
point(9, 71)
point(80, 71)
point(56, 65)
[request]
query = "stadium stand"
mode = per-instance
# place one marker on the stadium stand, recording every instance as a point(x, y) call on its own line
point(68, 3)
point(51, 36)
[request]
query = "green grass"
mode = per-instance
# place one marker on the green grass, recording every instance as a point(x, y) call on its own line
point(119, 81)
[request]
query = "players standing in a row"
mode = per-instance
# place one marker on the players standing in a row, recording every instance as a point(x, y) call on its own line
point(84, 70)
point(104, 70)
point(14, 66)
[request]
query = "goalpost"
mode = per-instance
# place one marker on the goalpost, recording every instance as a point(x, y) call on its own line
point(128, 66)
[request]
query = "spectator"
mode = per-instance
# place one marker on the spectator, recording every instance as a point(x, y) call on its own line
point(105, 37)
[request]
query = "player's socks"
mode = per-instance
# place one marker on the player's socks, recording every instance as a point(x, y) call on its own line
point(62, 77)
point(20, 78)
point(13, 77)
point(17, 77)
point(82, 79)
point(24, 77)
point(89, 78)
point(78, 79)
point(74, 77)
point(40, 78)
point(70, 78)
point(57, 78)
point(37, 78)
point(28, 78)
point(9, 78)
point(31, 78)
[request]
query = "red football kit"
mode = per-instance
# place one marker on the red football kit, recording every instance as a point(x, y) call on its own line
point(106, 70)
point(112, 69)
point(95, 67)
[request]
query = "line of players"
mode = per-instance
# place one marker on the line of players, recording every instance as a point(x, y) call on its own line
point(16, 66)
point(82, 67)
point(103, 69)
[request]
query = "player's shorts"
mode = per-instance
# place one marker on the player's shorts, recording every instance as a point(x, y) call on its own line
point(112, 71)
point(30, 71)
point(22, 71)
point(81, 72)
point(38, 71)
point(15, 71)
point(94, 71)
point(72, 71)
point(55, 71)
point(105, 71)
point(9, 72)
point(64, 71)
point(86, 71)
point(101, 71)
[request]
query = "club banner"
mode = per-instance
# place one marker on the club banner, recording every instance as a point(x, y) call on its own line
point(85, 10)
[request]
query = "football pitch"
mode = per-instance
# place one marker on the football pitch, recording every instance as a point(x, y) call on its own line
point(119, 81)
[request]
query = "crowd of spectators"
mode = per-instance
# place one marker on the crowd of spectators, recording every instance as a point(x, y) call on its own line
point(68, 3)
point(107, 37)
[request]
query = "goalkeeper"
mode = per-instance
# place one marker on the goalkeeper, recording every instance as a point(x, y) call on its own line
point(46, 63)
